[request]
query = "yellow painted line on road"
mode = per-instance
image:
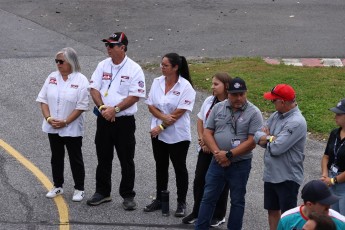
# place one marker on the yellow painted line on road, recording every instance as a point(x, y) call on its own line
point(59, 200)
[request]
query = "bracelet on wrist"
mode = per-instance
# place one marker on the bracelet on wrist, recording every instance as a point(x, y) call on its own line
point(48, 118)
point(335, 180)
point(100, 107)
point(271, 139)
point(161, 127)
point(332, 181)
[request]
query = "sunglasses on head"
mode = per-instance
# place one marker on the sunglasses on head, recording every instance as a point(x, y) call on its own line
point(57, 61)
point(112, 45)
point(276, 94)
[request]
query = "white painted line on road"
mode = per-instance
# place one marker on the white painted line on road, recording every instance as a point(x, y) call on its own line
point(59, 200)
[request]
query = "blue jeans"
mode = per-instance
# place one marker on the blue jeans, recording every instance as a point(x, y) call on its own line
point(338, 190)
point(236, 175)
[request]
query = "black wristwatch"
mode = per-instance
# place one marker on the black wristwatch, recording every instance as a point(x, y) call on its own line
point(229, 155)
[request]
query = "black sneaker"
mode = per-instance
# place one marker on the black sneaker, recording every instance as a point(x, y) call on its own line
point(181, 209)
point(98, 199)
point(216, 222)
point(129, 204)
point(155, 205)
point(190, 219)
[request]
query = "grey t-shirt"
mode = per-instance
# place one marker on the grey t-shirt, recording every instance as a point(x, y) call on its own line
point(231, 128)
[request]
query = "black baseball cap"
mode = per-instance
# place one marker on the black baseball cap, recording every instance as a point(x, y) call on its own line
point(317, 191)
point(237, 85)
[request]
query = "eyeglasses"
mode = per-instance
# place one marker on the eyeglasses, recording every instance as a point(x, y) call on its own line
point(112, 45)
point(60, 62)
point(274, 101)
point(164, 66)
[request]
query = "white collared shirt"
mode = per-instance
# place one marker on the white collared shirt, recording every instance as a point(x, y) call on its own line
point(62, 97)
point(181, 96)
point(205, 108)
point(125, 79)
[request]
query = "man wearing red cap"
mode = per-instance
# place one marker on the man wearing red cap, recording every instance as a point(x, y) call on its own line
point(116, 86)
point(284, 138)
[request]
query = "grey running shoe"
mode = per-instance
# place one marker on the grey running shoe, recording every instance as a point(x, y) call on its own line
point(129, 204)
point(98, 199)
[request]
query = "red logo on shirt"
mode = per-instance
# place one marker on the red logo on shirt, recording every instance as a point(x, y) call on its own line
point(74, 86)
point(176, 93)
point(106, 76)
point(52, 80)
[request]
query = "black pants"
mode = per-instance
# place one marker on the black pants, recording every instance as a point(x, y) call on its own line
point(204, 160)
point(121, 135)
point(73, 145)
point(177, 153)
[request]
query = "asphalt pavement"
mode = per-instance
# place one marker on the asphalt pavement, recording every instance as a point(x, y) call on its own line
point(33, 31)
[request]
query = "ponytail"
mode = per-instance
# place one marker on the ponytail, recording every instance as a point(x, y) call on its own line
point(181, 62)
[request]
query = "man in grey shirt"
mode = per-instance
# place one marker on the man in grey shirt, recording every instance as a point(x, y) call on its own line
point(284, 138)
point(229, 135)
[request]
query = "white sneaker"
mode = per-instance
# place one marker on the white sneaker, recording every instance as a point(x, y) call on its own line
point(78, 195)
point(54, 192)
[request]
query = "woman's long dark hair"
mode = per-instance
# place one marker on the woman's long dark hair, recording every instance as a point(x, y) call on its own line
point(182, 64)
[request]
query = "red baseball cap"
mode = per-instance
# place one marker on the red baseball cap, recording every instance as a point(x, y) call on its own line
point(281, 91)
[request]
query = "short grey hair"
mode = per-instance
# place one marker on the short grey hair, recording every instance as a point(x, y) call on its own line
point(71, 57)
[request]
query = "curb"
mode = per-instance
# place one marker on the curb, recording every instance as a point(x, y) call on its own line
point(310, 62)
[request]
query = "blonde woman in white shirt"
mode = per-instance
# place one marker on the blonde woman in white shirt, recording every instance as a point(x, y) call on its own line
point(63, 99)
point(170, 101)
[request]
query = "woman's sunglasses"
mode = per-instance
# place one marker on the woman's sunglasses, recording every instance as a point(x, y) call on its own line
point(57, 61)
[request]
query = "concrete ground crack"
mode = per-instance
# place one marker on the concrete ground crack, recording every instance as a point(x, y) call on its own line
point(23, 197)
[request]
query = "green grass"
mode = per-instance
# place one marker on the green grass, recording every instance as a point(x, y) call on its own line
point(317, 88)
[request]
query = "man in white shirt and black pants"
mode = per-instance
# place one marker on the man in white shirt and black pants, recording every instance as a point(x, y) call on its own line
point(116, 86)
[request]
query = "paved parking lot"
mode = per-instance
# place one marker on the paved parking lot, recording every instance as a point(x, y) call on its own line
point(33, 31)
